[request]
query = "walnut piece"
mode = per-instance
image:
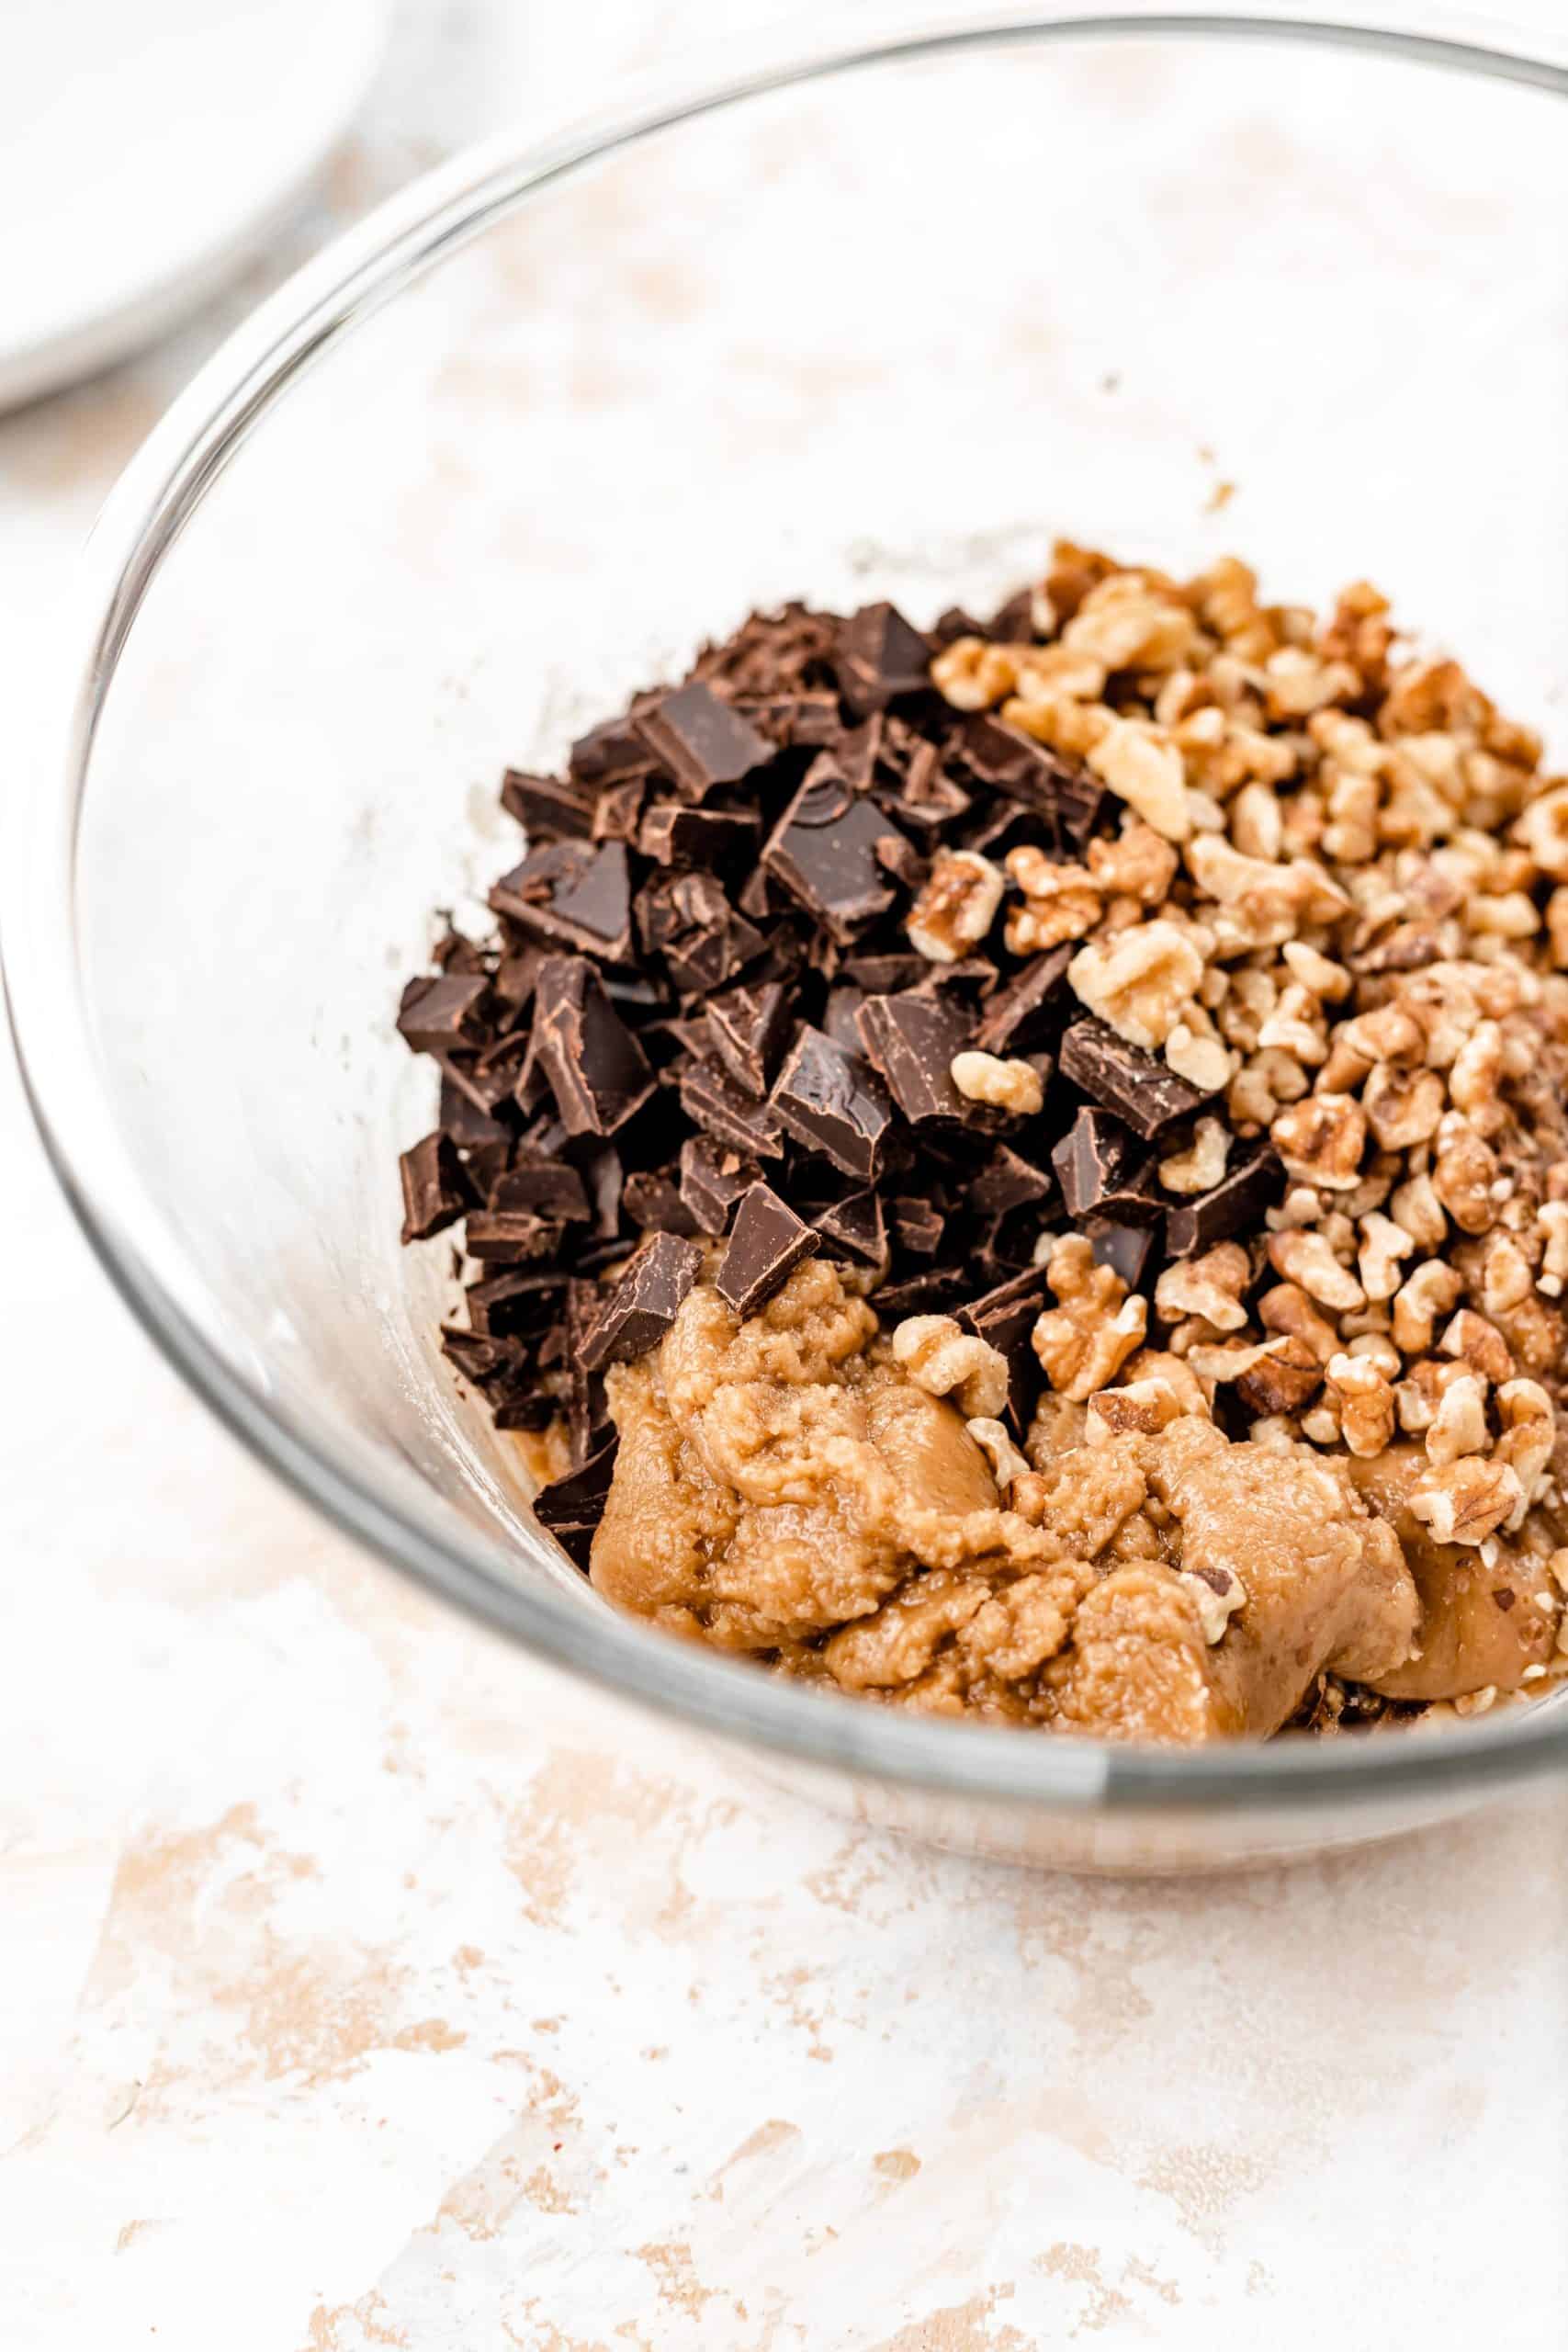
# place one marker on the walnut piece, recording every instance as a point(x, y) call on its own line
point(1083, 1342)
point(1060, 902)
point(1012, 1086)
point(958, 906)
point(1320, 1140)
point(1200, 1168)
point(1467, 1501)
point(944, 1360)
point(1008, 1465)
point(1211, 1286)
point(1138, 980)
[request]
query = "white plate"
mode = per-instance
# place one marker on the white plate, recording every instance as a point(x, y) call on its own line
point(146, 147)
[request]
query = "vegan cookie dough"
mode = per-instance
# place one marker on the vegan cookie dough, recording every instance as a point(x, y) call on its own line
point(1020, 1171)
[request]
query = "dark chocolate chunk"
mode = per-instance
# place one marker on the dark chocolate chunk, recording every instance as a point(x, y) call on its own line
point(949, 627)
point(549, 808)
point(918, 1226)
point(618, 812)
point(833, 1103)
point(840, 1015)
point(515, 976)
point(572, 894)
point(701, 741)
point(606, 750)
point(654, 1205)
point(508, 1237)
point(824, 850)
point(766, 1243)
point(604, 1174)
point(572, 1508)
point(1013, 623)
point(1140, 1089)
point(712, 1179)
point(712, 1101)
point(885, 975)
point(483, 1362)
point(877, 657)
point(1103, 1168)
point(502, 1305)
point(461, 1117)
point(749, 1028)
point(436, 1190)
point(676, 834)
point(912, 1039)
point(550, 1189)
point(1029, 1009)
point(1126, 1248)
point(687, 920)
point(807, 720)
point(1009, 1181)
point(644, 1303)
point(1237, 1203)
point(1005, 1319)
point(1068, 799)
point(856, 1223)
point(437, 1016)
point(932, 1292)
point(597, 1071)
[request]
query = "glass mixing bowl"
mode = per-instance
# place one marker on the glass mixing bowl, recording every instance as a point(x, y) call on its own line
point(872, 324)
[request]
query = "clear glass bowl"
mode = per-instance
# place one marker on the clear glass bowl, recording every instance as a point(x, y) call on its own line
point(866, 324)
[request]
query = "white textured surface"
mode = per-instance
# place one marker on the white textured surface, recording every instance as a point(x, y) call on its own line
point(361, 1985)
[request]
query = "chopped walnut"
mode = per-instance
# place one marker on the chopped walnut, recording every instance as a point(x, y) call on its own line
point(1459, 1425)
point(973, 673)
point(1137, 864)
point(1060, 902)
point(943, 1359)
point(1201, 1059)
point(1551, 1219)
point(1480, 1344)
point(1403, 1107)
point(1140, 980)
point(958, 906)
point(1008, 1465)
point(1200, 1166)
point(1083, 1342)
point(1012, 1086)
point(1307, 1259)
point(1463, 1174)
point(1467, 1501)
point(1384, 1246)
point(1287, 1310)
point(1360, 1392)
point(1211, 1286)
point(1427, 1294)
point(1417, 1210)
point(1529, 1434)
point(1144, 768)
point(1320, 1140)
point(1144, 1405)
point(1218, 1593)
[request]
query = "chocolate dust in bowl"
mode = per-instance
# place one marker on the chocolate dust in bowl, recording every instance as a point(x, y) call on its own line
point(1020, 1171)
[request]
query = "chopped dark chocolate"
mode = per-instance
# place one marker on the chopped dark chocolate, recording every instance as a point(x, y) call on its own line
point(654, 1205)
point(833, 1103)
point(597, 1071)
point(644, 1303)
point(750, 1028)
point(712, 1101)
point(572, 894)
point(676, 834)
point(1138, 1087)
point(766, 1243)
point(461, 1117)
point(436, 1190)
point(549, 807)
point(840, 1016)
point(1244, 1193)
point(878, 657)
point(1005, 1319)
point(1126, 1248)
point(701, 741)
point(501, 1305)
point(607, 750)
point(912, 1040)
point(917, 1226)
point(438, 1016)
point(856, 1223)
point(1103, 1168)
point(712, 1179)
point(619, 811)
point(824, 850)
point(570, 1508)
point(1029, 1010)
point(548, 1188)
point(687, 920)
point(508, 1237)
point(1062, 793)
point(1007, 1181)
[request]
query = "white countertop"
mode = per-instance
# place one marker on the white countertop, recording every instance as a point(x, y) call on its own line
point(363, 1985)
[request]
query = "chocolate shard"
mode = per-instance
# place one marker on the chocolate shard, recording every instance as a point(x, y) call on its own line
point(750, 1028)
point(700, 740)
point(508, 1237)
point(712, 1101)
point(1103, 1168)
point(644, 1303)
point(438, 1015)
point(1126, 1248)
point(912, 1040)
point(885, 975)
point(608, 749)
point(550, 1189)
point(877, 657)
point(435, 1189)
point(549, 807)
point(1005, 1319)
point(604, 1176)
point(1009, 1181)
point(833, 1103)
point(766, 1243)
point(1064, 794)
point(514, 977)
point(572, 894)
point(1239, 1200)
point(597, 1071)
point(856, 1223)
point(824, 850)
point(653, 1203)
point(808, 719)
point(1139, 1088)
point(503, 1305)
point(918, 1226)
point(483, 1362)
point(674, 833)
point(935, 1292)
point(461, 1117)
point(840, 1016)
point(618, 811)
point(712, 1179)
point(572, 1508)
point(1029, 1011)
point(687, 920)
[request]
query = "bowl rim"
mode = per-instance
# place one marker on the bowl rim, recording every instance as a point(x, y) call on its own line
point(143, 518)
